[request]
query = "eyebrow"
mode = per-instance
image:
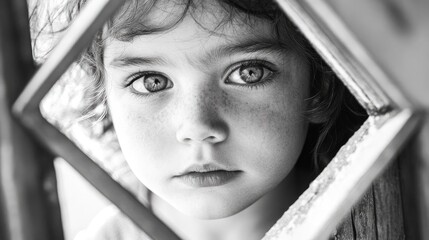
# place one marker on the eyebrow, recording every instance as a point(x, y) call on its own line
point(125, 61)
point(251, 46)
point(247, 46)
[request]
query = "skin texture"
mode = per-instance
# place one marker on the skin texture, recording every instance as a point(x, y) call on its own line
point(202, 117)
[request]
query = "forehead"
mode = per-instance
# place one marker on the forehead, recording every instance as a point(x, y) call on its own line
point(169, 27)
point(148, 17)
point(145, 16)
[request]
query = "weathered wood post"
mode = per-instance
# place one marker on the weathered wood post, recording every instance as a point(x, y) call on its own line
point(29, 202)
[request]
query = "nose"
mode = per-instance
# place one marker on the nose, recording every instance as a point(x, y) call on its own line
point(200, 121)
point(202, 132)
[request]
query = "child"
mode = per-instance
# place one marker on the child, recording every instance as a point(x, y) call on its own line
point(218, 107)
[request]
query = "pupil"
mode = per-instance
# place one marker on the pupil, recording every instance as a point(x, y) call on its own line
point(155, 83)
point(251, 74)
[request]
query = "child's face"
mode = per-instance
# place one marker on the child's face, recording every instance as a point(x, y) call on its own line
point(187, 100)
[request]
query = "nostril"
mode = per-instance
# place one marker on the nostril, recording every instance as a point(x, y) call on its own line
point(200, 139)
point(207, 139)
point(210, 139)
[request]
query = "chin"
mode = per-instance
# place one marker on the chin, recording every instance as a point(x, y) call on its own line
point(213, 208)
point(213, 214)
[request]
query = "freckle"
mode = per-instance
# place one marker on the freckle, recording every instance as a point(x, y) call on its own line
point(160, 117)
point(225, 100)
point(227, 105)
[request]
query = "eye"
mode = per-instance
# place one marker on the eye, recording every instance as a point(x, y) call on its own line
point(149, 83)
point(249, 73)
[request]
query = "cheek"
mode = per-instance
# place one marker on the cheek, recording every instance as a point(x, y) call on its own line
point(278, 131)
point(270, 131)
point(137, 121)
point(141, 133)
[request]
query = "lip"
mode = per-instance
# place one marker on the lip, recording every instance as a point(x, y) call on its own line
point(207, 175)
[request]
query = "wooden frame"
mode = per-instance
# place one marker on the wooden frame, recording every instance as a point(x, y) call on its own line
point(28, 185)
point(78, 36)
point(393, 119)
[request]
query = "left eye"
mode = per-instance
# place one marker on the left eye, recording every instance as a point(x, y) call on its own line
point(150, 83)
point(249, 74)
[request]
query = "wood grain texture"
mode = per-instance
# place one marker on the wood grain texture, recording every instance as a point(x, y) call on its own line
point(388, 205)
point(345, 231)
point(414, 172)
point(29, 203)
point(364, 219)
point(378, 215)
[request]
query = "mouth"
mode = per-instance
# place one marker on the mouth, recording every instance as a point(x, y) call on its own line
point(207, 176)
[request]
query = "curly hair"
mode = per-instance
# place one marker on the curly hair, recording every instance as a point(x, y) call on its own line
point(333, 113)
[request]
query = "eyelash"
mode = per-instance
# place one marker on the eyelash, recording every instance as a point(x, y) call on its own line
point(251, 63)
point(136, 76)
point(132, 78)
point(248, 63)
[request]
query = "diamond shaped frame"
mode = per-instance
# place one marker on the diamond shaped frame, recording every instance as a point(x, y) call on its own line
point(393, 118)
point(26, 107)
point(321, 207)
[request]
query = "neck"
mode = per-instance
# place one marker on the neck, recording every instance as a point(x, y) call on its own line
point(251, 223)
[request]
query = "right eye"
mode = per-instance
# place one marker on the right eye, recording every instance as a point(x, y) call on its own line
point(144, 83)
